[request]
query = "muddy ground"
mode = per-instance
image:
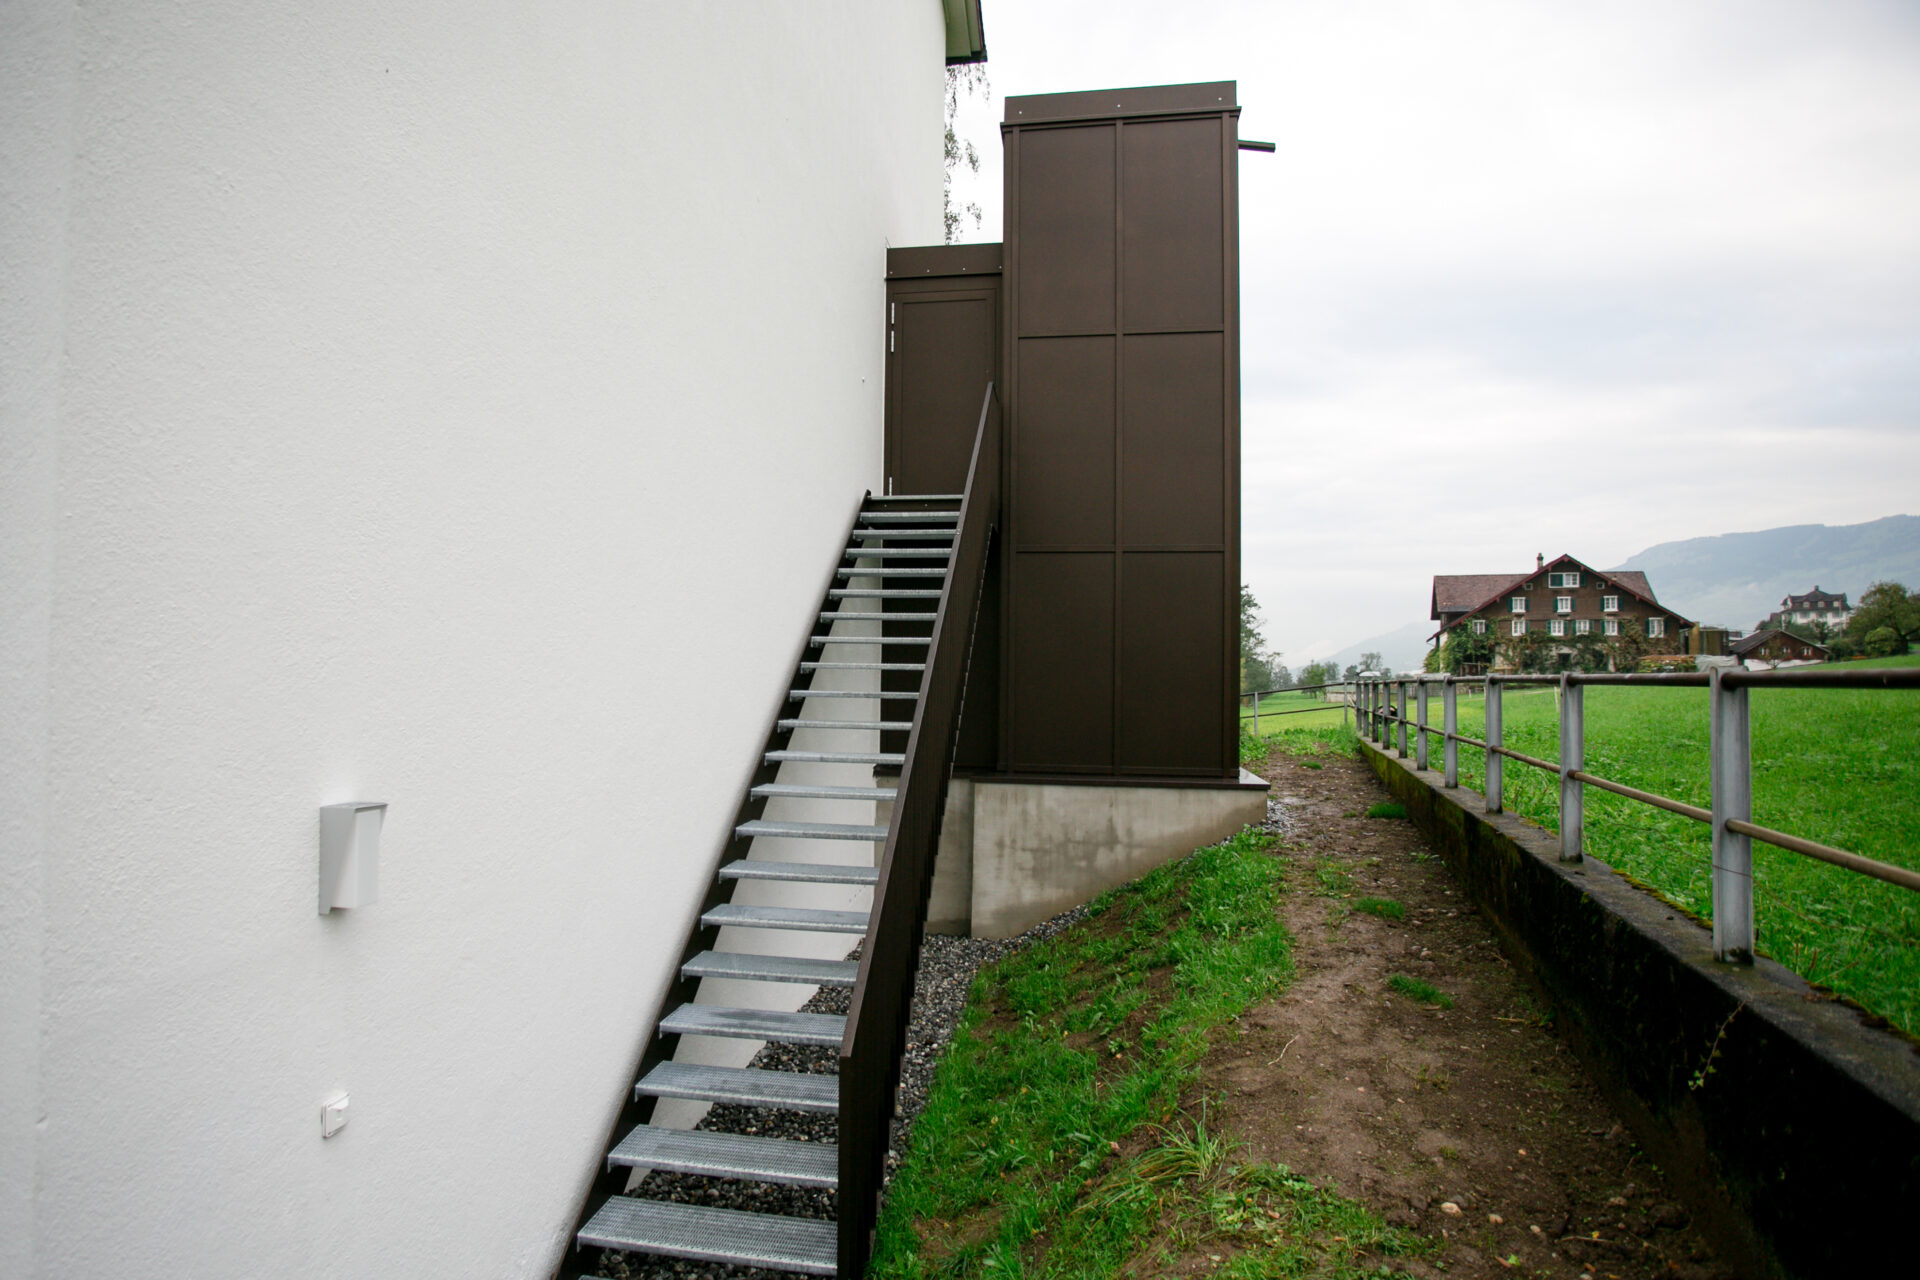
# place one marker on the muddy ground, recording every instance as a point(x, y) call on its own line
point(1474, 1124)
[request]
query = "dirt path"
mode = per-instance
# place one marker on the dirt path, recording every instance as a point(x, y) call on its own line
point(1472, 1124)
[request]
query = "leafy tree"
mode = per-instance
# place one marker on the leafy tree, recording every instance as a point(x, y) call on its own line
point(1257, 662)
point(1462, 648)
point(1319, 673)
point(966, 80)
point(1885, 606)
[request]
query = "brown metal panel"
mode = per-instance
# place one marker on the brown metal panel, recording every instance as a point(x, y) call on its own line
point(928, 260)
point(1066, 281)
point(1172, 441)
point(945, 347)
point(1156, 99)
point(1060, 618)
point(1063, 457)
point(1172, 247)
point(1171, 705)
point(1122, 438)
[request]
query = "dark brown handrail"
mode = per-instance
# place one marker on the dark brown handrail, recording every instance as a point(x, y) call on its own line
point(875, 1039)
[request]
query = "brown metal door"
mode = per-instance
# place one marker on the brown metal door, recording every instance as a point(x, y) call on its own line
point(943, 347)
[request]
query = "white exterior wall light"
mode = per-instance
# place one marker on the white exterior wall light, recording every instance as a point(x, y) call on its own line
point(350, 853)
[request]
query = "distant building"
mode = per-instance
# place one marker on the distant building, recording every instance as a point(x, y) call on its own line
point(1776, 648)
point(1815, 606)
point(1562, 598)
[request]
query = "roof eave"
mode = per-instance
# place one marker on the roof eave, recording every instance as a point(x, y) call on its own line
point(966, 35)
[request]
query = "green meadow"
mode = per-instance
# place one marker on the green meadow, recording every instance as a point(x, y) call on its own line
point(1840, 766)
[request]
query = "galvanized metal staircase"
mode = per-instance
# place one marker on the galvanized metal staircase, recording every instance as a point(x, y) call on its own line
point(918, 561)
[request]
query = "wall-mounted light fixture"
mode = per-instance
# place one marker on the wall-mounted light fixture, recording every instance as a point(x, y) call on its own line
point(350, 853)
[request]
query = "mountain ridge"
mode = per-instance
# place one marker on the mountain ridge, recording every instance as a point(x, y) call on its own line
point(1737, 579)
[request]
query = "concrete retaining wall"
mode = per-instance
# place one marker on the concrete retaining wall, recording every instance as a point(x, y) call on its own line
point(1802, 1149)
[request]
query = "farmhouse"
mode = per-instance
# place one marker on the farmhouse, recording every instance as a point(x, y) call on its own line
point(1563, 600)
point(499, 606)
point(1776, 647)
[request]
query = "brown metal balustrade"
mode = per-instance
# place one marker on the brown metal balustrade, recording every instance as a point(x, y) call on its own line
point(876, 1033)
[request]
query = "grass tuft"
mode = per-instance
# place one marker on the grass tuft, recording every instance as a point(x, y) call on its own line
point(1385, 908)
point(1387, 809)
point(1424, 992)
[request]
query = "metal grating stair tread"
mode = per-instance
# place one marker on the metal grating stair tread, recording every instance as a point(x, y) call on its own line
point(891, 571)
point(754, 1024)
point(803, 872)
point(742, 964)
point(807, 831)
point(805, 919)
point(818, 640)
point(729, 1155)
point(883, 725)
point(882, 593)
point(803, 791)
point(863, 666)
point(893, 694)
point(841, 615)
point(742, 1085)
point(900, 553)
point(714, 1235)
point(836, 757)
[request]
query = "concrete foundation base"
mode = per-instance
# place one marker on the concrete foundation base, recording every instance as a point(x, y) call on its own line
point(1014, 853)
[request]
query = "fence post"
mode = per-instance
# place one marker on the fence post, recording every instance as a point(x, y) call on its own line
point(1420, 719)
point(1256, 713)
point(1494, 759)
point(1400, 714)
point(1731, 775)
point(1450, 719)
point(1346, 705)
point(1573, 757)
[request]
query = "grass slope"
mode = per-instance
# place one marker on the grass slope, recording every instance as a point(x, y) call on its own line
point(1838, 766)
point(1052, 1145)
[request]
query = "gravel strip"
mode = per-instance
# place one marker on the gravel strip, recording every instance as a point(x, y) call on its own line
point(947, 968)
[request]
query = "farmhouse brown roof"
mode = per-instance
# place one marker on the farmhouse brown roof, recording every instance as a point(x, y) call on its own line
point(1455, 593)
point(1741, 648)
point(1459, 592)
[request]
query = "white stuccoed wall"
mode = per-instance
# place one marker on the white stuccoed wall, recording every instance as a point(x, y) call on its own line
point(458, 405)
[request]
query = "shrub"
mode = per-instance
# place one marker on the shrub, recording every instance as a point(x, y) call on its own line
point(1883, 642)
point(1669, 662)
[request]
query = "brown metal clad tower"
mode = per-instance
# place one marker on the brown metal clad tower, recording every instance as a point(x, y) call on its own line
point(1121, 555)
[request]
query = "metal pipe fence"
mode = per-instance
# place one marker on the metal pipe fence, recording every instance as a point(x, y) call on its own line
point(1346, 704)
point(1381, 708)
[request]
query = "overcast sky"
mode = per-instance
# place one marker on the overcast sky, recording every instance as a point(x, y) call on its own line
point(1537, 276)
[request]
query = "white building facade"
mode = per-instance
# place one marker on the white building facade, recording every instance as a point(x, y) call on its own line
point(459, 407)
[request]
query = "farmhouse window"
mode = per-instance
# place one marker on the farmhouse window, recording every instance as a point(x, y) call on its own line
point(1613, 626)
point(1563, 580)
point(1610, 604)
point(1656, 627)
point(1557, 627)
point(1563, 604)
point(1582, 626)
point(1519, 604)
point(1519, 626)
point(1479, 626)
